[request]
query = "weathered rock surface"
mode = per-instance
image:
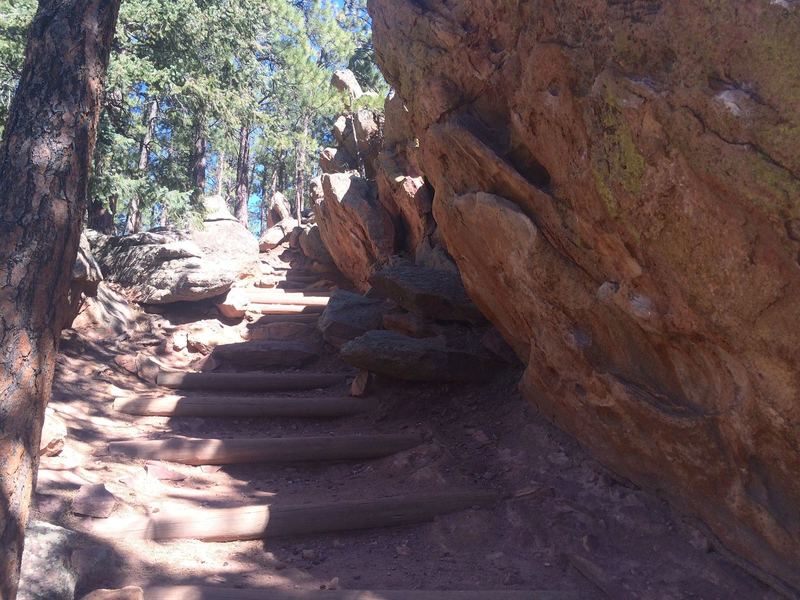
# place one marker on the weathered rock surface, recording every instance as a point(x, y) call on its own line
point(47, 573)
point(427, 292)
point(54, 434)
point(174, 266)
point(355, 228)
point(234, 304)
point(278, 209)
point(413, 359)
point(86, 276)
point(619, 185)
point(349, 316)
point(277, 234)
point(312, 245)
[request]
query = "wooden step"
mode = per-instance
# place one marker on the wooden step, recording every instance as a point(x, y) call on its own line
point(284, 296)
point(250, 382)
point(191, 592)
point(190, 451)
point(310, 319)
point(241, 406)
point(267, 354)
point(260, 522)
point(285, 309)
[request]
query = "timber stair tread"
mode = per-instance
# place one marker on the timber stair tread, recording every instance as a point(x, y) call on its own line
point(322, 407)
point(285, 309)
point(249, 381)
point(192, 592)
point(266, 521)
point(230, 451)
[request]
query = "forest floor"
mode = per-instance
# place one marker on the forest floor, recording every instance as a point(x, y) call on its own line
point(573, 526)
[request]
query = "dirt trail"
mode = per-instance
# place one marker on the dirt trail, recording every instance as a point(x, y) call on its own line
point(559, 522)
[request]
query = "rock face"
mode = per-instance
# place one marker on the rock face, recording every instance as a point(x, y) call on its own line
point(430, 293)
point(47, 572)
point(358, 233)
point(174, 266)
point(619, 185)
point(348, 316)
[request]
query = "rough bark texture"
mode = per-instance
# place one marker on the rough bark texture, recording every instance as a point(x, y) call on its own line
point(44, 165)
point(243, 177)
point(619, 184)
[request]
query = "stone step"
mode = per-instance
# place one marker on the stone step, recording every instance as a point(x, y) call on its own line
point(266, 354)
point(269, 521)
point(250, 382)
point(191, 592)
point(235, 451)
point(323, 407)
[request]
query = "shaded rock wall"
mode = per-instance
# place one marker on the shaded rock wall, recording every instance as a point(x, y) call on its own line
point(619, 184)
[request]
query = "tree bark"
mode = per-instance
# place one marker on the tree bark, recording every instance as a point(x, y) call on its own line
point(199, 161)
point(243, 177)
point(221, 174)
point(300, 170)
point(45, 159)
point(134, 224)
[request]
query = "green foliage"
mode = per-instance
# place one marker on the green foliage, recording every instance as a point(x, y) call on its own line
point(213, 67)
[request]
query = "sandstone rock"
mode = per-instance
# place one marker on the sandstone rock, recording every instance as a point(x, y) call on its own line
point(47, 573)
point(426, 292)
point(312, 245)
point(277, 234)
point(54, 434)
point(360, 135)
point(349, 316)
point(336, 160)
point(618, 208)
point(278, 209)
point(408, 324)
point(234, 306)
point(362, 384)
point(411, 359)
point(94, 501)
point(406, 196)
point(174, 266)
point(86, 276)
point(266, 354)
point(203, 336)
point(345, 80)
point(355, 228)
point(397, 128)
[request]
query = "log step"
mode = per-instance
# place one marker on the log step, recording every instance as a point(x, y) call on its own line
point(189, 451)
point(250, 382)
point(260, 522)
point(285, 309)
point(190, 592)
point(266, 354)
point(279, 296)
point(241, 406)
point(302, 318)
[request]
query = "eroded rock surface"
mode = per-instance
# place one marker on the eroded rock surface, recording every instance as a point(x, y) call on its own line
point(173, 266)
point(620, 188)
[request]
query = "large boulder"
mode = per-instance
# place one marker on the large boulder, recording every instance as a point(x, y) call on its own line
point(47, 572)
point(349, 316)
point(86, 276)
point(427, 292)
point(312, 246)
point(173, 266)
point(414, 359)
point(358, 232)
point(619, 184)
point(277, 234)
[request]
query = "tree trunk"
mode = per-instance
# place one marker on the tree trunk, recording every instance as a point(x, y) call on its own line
point(45, 159)
point(101, 218)
point(221, 174)
point(134, 224)
point(300, 171)
point(243, 177)
point(199, 161)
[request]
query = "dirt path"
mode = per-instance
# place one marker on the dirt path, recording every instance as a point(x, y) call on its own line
point(559, 521)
